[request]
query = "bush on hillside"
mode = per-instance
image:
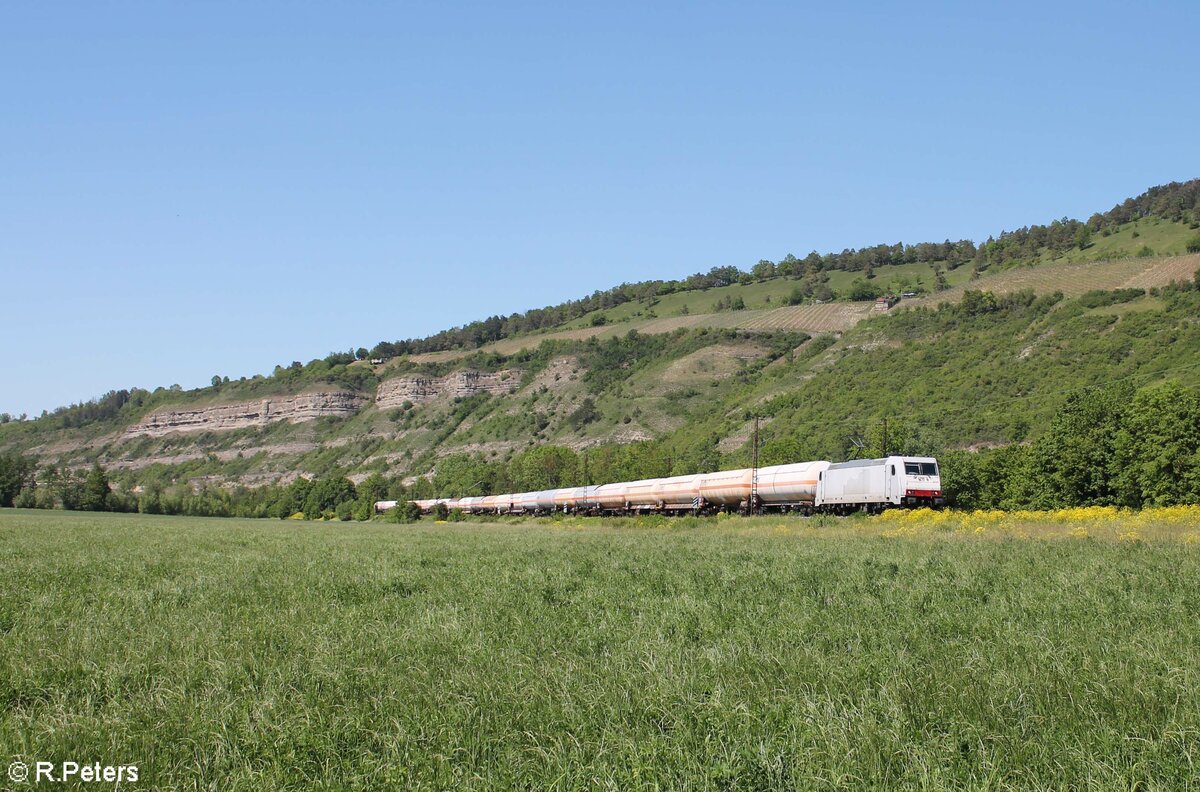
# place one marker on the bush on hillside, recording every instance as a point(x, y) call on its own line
point(1100, 298)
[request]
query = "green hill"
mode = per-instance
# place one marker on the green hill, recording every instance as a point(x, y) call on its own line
point(666, 377)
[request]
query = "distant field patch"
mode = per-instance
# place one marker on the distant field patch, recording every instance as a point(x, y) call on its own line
point(1160, 272)
point(1075, 279)
point(831, 317)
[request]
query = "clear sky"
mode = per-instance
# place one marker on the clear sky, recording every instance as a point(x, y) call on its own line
point(189, 189)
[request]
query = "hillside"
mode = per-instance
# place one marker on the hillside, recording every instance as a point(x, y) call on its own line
point(1065, 275)
point(680, 374)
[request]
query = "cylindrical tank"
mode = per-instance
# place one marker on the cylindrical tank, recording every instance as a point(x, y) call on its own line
point(570, 498)
point(678, 492)
point(793, 483)
point(640, 494)
point(525, 501)
point(726, 487)
point(610, 496)
point(575, 498)
point(545, 500)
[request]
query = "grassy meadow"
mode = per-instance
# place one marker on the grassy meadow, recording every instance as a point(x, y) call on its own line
point(916, 650)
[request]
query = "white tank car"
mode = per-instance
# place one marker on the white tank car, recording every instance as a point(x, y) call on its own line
point(640, 494)
point(726, 487)
point(678, 493)
point(471, 505)
point(504, 503)
point(574, 498)
point(611, 496)
point(793, 485)
point(877, 483)
point(524, 502)
point(544, 500)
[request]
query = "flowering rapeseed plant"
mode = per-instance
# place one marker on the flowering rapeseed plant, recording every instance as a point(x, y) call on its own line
point(1079, 522)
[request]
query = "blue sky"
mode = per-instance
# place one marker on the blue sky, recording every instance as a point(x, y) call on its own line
point(215, 188)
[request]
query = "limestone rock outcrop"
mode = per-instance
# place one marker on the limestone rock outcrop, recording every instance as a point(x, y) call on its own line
point(417, 388)
point(240, 415)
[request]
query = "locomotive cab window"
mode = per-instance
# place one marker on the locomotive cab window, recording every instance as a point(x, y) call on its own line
point(912, 468)
point(893, 470)
point(929, 469)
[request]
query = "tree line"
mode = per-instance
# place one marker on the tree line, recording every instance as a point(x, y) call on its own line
point(1109, 446)
point(1177, 202)
point(24, 485)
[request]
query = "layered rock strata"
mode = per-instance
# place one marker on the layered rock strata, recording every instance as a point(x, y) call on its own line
point(240, 415)
point(417, 389)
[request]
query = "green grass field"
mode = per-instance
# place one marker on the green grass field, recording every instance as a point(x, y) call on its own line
point(716, 654)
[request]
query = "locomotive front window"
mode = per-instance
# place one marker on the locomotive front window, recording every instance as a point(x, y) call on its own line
point(929, 469)
point(912, 468)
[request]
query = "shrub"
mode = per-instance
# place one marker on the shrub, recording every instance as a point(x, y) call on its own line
point(406, 512)
point(585, 414)
point(1099, 298)
point(861, 290)
point(364, 508)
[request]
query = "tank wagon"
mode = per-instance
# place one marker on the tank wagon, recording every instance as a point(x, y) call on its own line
point(870, 485)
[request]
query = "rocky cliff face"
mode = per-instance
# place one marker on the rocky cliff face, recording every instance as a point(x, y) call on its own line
point(418, 389)
point(240, 415)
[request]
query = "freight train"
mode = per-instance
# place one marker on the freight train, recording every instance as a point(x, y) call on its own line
point(870, 485)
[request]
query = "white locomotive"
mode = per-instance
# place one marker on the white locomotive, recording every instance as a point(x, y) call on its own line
point(870, 485)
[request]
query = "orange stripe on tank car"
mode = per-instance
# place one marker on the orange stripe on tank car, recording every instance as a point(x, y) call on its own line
point(761, 483)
